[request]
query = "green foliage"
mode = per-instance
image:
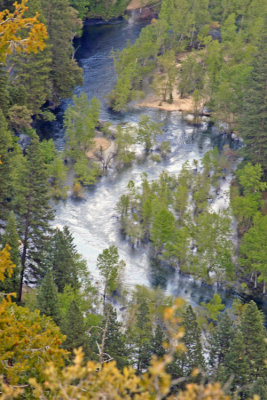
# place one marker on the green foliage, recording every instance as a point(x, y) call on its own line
point(214, 307)
point(105, 9)
point(246, 205)
point(73, 326)
point(80, 121)
point(107, 340)
point(147, 132)
point(64, 261)
point(214, 247)
point(6, 166)
point(250, 178)
point(193, 358)
point(158, 212)
point(110, 268)
point(124, 139)
point(253, 116)
point(87, 172)
point(62, 25)
point(81, 6)
point(47, 298)
point(253, 255)
point(163, 228)
point(191, 76)
point(254, 333)
point(11, 237)
point(31, 202)
point(220, 338)
point(55, 169)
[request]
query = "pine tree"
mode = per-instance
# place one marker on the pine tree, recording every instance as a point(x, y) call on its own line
point(74, 328)
point(235, 365)
point(62, 24)
point(31, 85)
point(253, 250)
point(4, 94)
point(11, 237)
point(5, 168)
point(80, 121)
point(32, 205)
point(111, 340)
point(47, 298)
point(193, 358)
point(110, 268)
point(143, 337)
point(157, 342)
point(63, 259)
point(30, 81)
point(253, 120)
point(163, 228)
point(254, 334)
point(219, 341)
point(258, 388)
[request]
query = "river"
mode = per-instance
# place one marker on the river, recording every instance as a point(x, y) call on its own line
point(93, 221)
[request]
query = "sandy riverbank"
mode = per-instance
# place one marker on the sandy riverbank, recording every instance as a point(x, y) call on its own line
point(137, 4)
point(98, 143)
point(185, 105)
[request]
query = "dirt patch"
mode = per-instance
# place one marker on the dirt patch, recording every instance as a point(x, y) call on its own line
point(136, 4)
point(98, 143)
point(185, 105)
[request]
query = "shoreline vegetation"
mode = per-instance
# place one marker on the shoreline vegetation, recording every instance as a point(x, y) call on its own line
point(159, 347)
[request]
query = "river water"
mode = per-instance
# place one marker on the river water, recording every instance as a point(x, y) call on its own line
point(93, 221)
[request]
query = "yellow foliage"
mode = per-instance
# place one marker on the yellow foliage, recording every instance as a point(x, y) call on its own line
point(20, 34)
point(201, 392)
point(27, 342)
point(32, 340)
point(6, 264)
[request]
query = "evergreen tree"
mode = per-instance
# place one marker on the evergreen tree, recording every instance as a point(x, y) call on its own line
point(48, 298)
point(253, 120)
point(254, 334)
point(193, 358)
point(31, 202)
point(74, 328)
point(30, 82)
point(235, 364)
point(110, 268)
point(62, 25)
point(111, 341)
point(63, 259)
point(157, 342)
point(253, 250)
point(163, 228)
point(11, 237)
point(4, 93)
point(258, 388)
point(6, 144)
point(143, 337)
point(80, 121)
point(219, 341)
point(147, 132)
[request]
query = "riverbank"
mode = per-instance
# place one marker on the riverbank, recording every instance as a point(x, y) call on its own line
point(185, 105)
point(100, 144)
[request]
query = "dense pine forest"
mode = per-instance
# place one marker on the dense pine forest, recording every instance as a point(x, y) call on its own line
point(65, 334)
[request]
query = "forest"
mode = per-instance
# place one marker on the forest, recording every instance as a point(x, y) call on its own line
point(65, 334)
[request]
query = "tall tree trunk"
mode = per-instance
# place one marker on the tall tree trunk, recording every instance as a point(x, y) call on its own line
point(24, 255)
